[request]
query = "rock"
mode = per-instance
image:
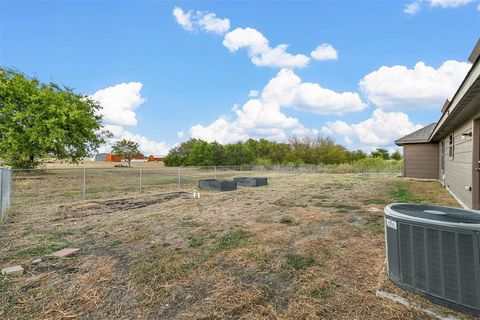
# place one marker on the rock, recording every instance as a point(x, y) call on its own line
point(65, 252)
point(36, 261)
point(12, 271)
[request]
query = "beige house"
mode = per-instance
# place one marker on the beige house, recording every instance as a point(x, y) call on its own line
point(449, 150)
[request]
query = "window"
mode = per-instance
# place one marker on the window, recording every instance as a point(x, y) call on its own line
point(451, 147)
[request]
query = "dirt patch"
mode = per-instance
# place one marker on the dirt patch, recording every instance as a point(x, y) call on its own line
point(113, 205)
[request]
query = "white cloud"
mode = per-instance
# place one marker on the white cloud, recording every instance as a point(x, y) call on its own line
point(379, 130)
point(146, 146)
point(288, 90)
point(119, 102)
point(199, 20)
point(324, 51)
point(180, 134)
point(399, 87)
point(210, 23)
point(263, 118)
point(259, 50)
point(253, 93)
point(412, 8)
point(253, 120)
point(183, 18)
point(448, 3)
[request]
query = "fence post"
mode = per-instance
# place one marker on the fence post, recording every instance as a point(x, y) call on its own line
point(140, 179)
point(179, 183)
point(215, 170)
point(84, 182)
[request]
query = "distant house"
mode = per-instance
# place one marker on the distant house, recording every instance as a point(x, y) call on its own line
point(449, 150)
point(107, 157)
point(153, 158)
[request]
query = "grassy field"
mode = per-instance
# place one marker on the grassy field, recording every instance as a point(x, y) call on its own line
point(304, 247)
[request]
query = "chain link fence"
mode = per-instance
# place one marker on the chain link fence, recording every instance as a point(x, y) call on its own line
point(5, 191)
point(39, 186)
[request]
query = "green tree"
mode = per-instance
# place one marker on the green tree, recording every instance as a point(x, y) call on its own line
point(381, 153)
point(126, 149)
point(356, 155)
point(45, 120)
point(396, 155)
point(178, 156)
point(238, 154)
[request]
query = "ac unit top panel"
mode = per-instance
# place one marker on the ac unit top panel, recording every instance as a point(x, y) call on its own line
point(432, 214)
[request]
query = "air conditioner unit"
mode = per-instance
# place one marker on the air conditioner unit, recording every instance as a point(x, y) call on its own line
point(434, 250)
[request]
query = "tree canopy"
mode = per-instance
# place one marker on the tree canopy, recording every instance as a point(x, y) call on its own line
point(322, 150)
point(126, 149)
point(40, 120)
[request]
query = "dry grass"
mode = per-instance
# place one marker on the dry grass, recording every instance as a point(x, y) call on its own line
point(304, 247)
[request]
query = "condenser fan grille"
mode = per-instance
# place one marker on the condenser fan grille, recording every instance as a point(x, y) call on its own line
point(436, 251)
point(437, 213)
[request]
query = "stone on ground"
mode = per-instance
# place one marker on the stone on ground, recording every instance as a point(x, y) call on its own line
point(65, 252)
point(12, 271)
point(36, 261)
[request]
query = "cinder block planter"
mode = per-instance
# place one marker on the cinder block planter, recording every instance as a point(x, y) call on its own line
point(251, 182)
point(217, 184)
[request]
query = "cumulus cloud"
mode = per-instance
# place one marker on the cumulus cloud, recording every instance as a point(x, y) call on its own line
point(184, 19)
point(199, 20)
point(288, 90)
point(412, 8)
point(146, 146)
point(379, 130)
point(259, 50)
point(262, 117)
point(119, 103)
point(420, 87)
point(210, 23)
point(448, 3)
point(324, 51)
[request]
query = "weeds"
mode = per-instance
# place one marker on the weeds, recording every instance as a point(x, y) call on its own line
point(286, 220)
point(298, 261)
point(231, 239)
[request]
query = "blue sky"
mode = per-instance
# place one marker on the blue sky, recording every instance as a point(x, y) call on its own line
point(384, 69)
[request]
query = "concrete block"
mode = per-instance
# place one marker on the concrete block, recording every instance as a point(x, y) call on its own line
point(65, 252)
point(12, 271)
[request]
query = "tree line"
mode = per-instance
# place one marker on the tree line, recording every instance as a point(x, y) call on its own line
point(296, 150)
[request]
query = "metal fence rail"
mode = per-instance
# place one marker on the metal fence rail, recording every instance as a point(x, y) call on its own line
point(5, 191)
point(61, 185)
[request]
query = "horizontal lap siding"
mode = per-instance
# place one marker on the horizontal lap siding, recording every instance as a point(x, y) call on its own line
point(421, 160)
point(458, 170)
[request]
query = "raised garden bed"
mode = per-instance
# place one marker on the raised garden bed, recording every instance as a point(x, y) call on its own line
point(217, 184)
point(251, 182)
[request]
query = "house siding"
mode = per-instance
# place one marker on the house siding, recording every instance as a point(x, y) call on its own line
point(457, 175)
point(421, 160)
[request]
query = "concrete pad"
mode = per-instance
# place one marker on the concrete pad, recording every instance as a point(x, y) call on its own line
point(65, 252)
point(13, 271)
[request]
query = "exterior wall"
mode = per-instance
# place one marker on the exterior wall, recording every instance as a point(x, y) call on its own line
point(457, 173)
point(420, 160)
point(101, 157)
point(113, 158)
